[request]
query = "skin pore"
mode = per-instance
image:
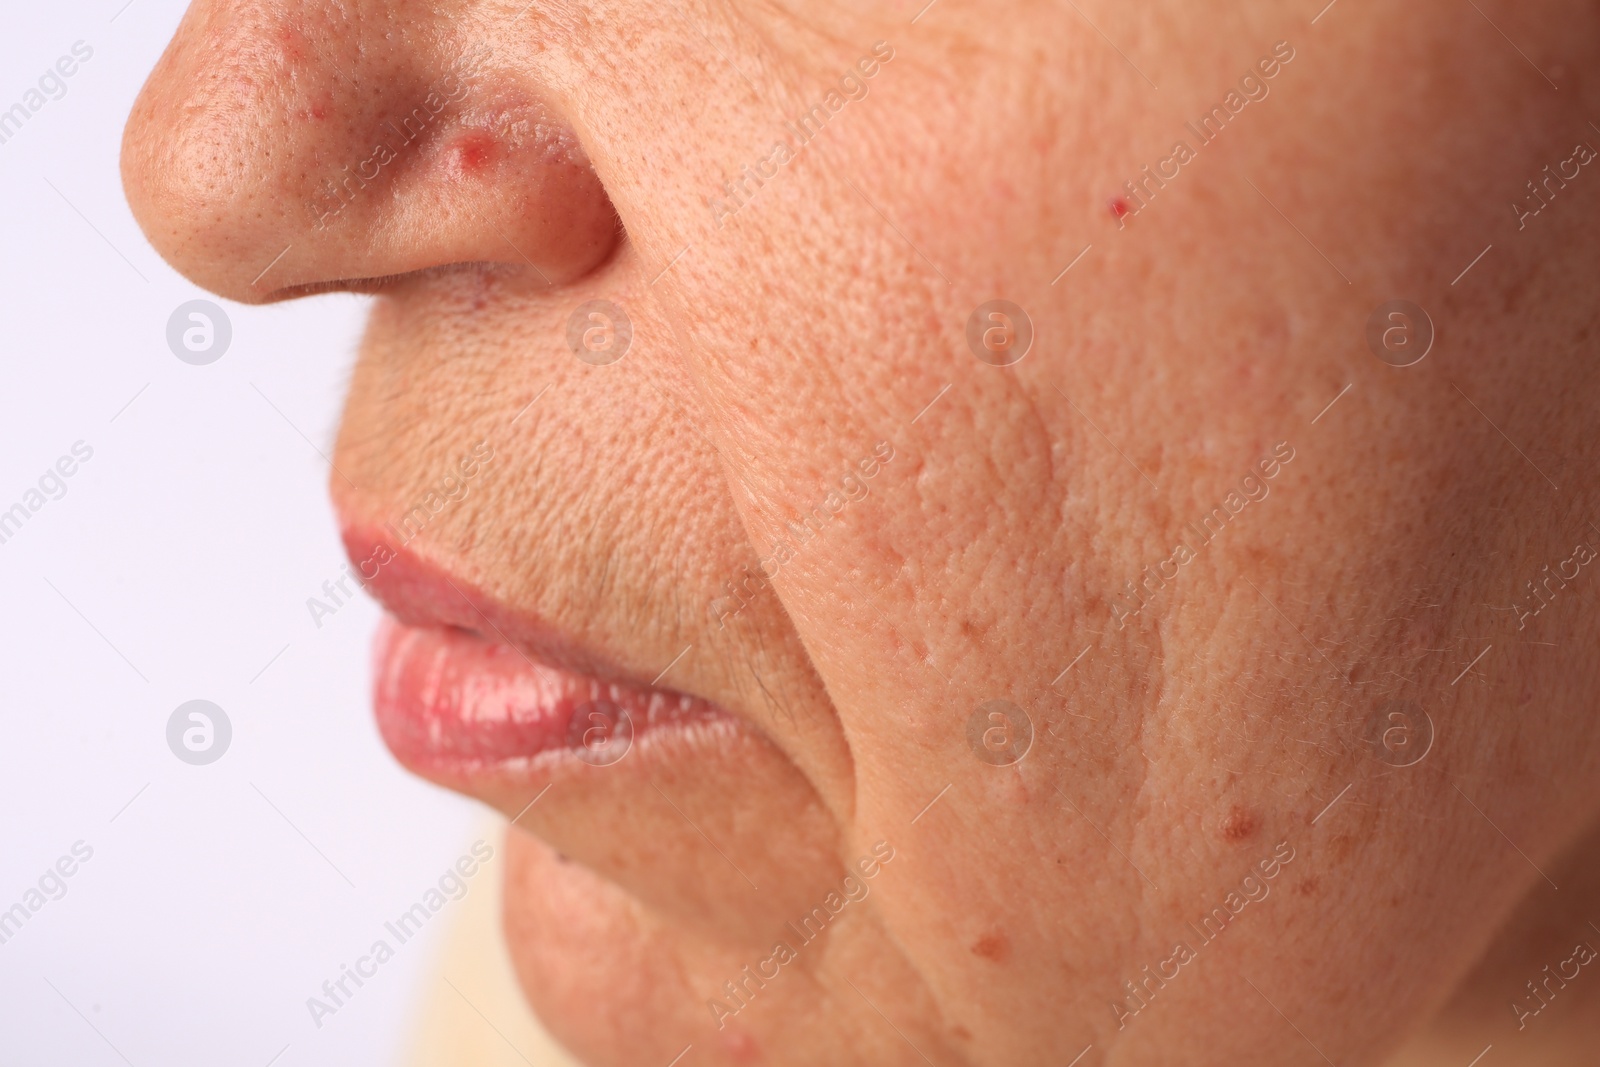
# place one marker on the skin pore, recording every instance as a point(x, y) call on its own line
point(1197, 717)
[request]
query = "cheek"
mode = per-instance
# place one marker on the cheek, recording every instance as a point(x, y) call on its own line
point(1261, 337)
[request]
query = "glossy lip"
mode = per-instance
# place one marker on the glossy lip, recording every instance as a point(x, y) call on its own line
point(450, 704)
point(464, 709)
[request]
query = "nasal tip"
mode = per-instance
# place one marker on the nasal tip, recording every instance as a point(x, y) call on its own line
point(262, 167)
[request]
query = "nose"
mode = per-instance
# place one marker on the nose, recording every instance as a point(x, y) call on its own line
point(282, 148)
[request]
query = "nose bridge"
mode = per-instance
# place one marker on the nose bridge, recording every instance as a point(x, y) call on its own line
point(280, 146)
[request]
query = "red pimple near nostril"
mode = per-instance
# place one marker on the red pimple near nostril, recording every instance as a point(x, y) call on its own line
point(472, 152)
point(315, 110)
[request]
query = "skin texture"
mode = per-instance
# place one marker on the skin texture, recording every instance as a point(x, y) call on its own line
point(776, 346)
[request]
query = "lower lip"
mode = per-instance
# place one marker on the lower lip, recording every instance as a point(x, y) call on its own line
point(450, 701)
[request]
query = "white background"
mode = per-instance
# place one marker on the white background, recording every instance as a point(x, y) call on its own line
point(190, 542)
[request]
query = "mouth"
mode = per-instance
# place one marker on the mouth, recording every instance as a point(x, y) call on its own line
point(681, 802)
point(452, 705)
point(479, 698)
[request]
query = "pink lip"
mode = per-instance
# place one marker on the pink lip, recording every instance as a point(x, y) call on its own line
point(457, 706)
point(450, 702)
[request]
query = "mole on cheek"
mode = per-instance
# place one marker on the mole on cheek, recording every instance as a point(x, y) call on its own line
point(1240, 825)
point(992, 946)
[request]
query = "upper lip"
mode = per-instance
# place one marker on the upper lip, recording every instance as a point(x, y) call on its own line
point(419, 591)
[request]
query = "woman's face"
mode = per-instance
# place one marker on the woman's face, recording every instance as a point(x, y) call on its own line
point(881, 675)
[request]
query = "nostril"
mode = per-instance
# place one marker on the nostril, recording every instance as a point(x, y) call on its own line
point(497, 179)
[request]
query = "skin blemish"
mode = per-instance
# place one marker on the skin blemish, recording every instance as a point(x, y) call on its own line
point(992, 946)
point(1240, 825)
point(472, 153)
point(740, 1047)
point(1119, 208)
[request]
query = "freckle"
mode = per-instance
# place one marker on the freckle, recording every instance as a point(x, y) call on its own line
point(1240, 825)
point(961, 1032)
point(992, 946)
point(1307, 888)
point(472, 152)
point(1119, 208)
